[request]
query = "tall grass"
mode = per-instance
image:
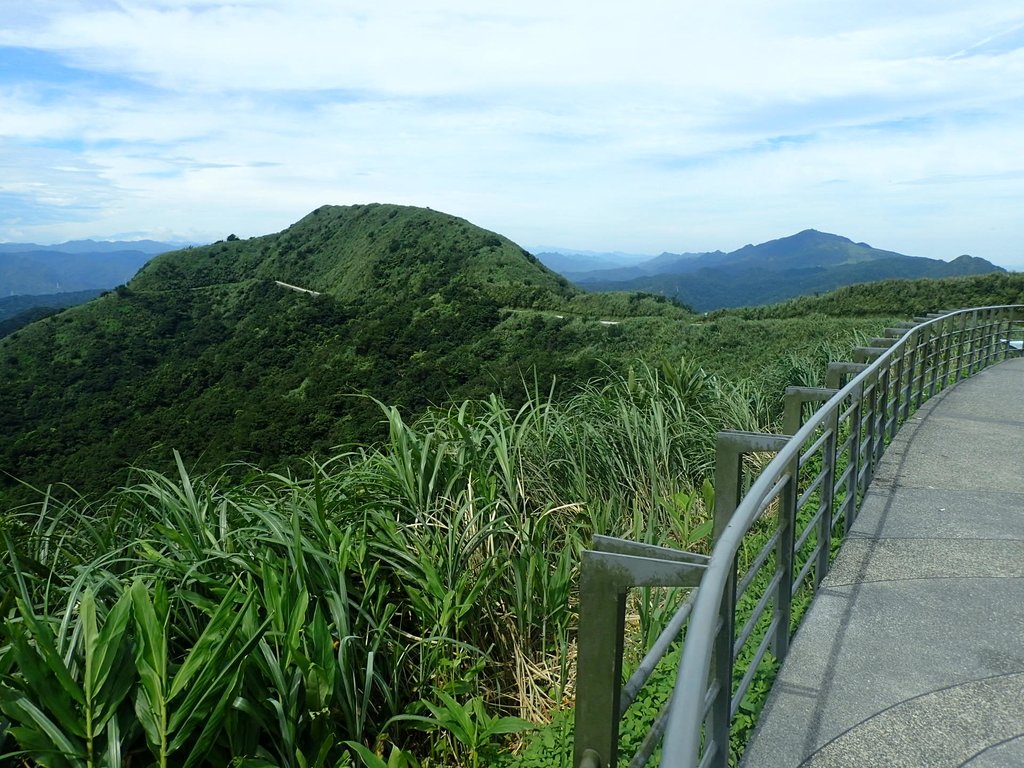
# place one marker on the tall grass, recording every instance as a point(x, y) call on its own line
point(335, 614)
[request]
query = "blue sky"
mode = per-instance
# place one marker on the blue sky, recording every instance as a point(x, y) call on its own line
point(659, 125)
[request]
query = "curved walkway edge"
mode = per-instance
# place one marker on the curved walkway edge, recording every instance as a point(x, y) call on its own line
point(912, 654)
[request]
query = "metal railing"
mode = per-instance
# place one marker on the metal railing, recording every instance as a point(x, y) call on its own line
point(773, 540)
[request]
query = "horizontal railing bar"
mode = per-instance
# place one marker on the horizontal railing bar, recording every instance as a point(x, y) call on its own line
point(836, 521)
point(840, 484)
point(710, 754)
point(709, 698)
point(762, 556)
point(771, 496)
point(844, 449)
point(805, 569)
point(652, 739)
point(815, 446)
point(845, 415)
point(756, 614)
point(806, 532)
point(741, 689)
point(657, 652)
point(810, 490)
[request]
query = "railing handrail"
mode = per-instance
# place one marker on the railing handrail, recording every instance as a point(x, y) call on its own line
point(686, 712)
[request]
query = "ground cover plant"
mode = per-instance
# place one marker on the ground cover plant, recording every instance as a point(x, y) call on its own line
point(416, 596)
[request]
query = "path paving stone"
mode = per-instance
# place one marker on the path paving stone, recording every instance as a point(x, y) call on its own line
point(913, 652)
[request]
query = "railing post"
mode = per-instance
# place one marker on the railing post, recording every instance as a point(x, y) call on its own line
point(853, 479)
point(882, 410)
point(972, 354)
point(994, 336)
point(784, 561)
point(993, 325)
point(869, 419)
point(828, 497)
point(728, 492)
point(608, 570)
point(938, 345)
point(926, 364)
point(792, 420)
point(1007, 334)
point(962, 347)
point(947, 349)
point(897, 391)
point(601, 632)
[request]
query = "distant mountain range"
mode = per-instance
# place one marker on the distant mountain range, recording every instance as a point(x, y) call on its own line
point(152, 247)
point(565, 260)
point(808, 262)
point(77, 265)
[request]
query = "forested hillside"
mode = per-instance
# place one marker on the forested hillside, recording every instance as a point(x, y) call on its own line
point(899, 297)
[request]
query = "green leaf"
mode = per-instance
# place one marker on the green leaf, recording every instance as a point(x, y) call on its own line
point(31, 714)
point(28, 652)
point(510, 725)
point(102, 651)
point(151, 664)
point(45, 642)
point(369, 759)
point(201, 662)
point(702, 531)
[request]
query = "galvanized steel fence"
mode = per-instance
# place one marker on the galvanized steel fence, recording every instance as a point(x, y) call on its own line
point(740, 600)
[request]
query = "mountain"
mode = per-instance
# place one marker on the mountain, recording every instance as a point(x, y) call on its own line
point(565, 260)
point(19, 311)
point(663, 263)
point(36, 272)
point(152, 247)
point(77, 265)
point(259, 349)
point(11, 306)
point(896, 297)
point(804, 263)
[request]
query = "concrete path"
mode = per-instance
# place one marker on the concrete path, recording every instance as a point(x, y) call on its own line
point(912, 654)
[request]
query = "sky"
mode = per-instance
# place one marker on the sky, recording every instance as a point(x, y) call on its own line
point(660, 125)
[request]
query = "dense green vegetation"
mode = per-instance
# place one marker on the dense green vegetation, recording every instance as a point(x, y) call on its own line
point(356, 534)
point(285, 619)
point(903, 297)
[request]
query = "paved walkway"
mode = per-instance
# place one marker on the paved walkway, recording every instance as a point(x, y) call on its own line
point(913, 652)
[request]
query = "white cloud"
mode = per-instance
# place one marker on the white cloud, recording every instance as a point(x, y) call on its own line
point(639, 128)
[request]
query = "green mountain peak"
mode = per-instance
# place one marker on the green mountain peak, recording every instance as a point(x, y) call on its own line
point(358, 253)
